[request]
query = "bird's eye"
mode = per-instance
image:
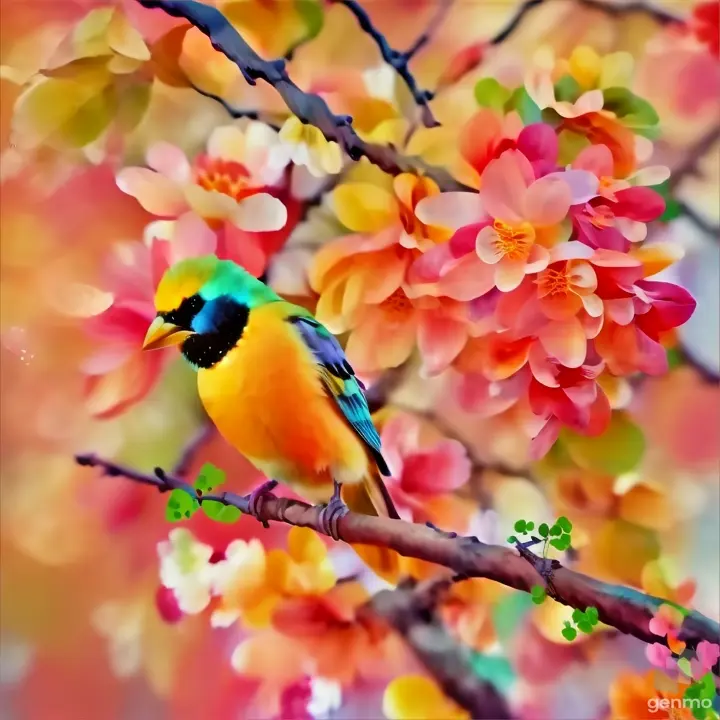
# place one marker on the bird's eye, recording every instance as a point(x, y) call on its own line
point(185, 312)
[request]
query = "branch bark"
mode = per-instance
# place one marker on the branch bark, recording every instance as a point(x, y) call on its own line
point(449, 663)
point(400, 60)
point(626, 609)
point(309, 108)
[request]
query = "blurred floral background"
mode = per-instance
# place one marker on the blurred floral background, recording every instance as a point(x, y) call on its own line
point(121, 155)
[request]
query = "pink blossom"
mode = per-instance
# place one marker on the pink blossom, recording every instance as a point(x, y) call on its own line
point(423, 469)
point(660, 656)
point(119, 374)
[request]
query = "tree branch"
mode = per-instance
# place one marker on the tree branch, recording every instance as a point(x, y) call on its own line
point(309, 108)
point(400, 60)
point(609, 7)
point(624, 608)
point(409, 613)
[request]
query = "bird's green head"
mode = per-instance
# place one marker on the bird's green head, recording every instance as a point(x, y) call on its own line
point(203, 305)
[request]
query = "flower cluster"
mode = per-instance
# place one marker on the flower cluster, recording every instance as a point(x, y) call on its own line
point(239, 200)
point(536, 288)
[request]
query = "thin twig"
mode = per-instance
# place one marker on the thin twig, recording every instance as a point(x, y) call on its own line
point(449, 662)
point(235, 112)
point(626, 609)
point(398, 60)
point(693, 155)
point(309, 108)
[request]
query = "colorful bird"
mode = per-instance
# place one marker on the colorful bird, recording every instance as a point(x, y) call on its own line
point(278, 387)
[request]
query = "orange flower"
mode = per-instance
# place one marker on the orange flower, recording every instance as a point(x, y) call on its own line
point(252, 582)
point(468, 610)
point(651, 695)
point(318, 636)
point(361, 279)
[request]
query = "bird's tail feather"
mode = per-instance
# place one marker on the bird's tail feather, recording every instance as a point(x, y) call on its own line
point(371, 497)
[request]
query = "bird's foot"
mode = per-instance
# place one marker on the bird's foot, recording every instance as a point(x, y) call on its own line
point(331, 514)
point(256, 499)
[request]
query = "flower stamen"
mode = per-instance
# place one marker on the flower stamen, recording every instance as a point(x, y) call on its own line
point(514, 242)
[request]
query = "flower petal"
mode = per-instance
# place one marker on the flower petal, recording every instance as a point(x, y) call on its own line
point(565, 341)
point(634, 231)
point(509, 274)
point(504, 184)
point(366, 208)
point(156, 193)
point(487, 246)
point(191, 238)
point(538, 259)
point(411, 697)
point(440, 339)
point(652, 175)
point(538, 142)
point(210, 203)
point(451, 210)
point(227, 142)
point(547, 200)
point(259, 213)
point(639, 203)
point(169, 161)
point(596, 159)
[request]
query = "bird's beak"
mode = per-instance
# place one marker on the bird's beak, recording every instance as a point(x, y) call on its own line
point(162, 334)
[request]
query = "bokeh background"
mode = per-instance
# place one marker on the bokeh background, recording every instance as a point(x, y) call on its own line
point(87, 630)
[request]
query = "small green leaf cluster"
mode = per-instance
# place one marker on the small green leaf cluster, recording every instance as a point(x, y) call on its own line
point(557, 534)
point(522, 527)
point(702, 690)
point(181, 505)
point(584, 621)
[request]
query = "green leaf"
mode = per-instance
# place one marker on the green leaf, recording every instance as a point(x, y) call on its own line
point(585, 627)
point(491, 94)
point(313, 17)
point(631, 109)
point(525, 106)
point(556, 530)
point(180, 506)
point(538, 594)
point(567, 89)
point(512, 539)
point(221, 513)
point(520, 527)
point(529, 526)
point(673, 209)
point(543, 530)
point(569, 146)
point(561, 543)
point(591, 614)
point(564, 523)
point(494, 669)
point(674, 358)
point(577, 615)
point(209, 478)
point(509, 614)
point(618, 450)
point(132, 105)
point(569, 633)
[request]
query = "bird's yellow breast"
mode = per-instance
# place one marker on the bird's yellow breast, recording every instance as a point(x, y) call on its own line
point(267, 399)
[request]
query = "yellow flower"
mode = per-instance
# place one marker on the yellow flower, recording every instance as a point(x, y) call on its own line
point(252, 582)
point(416, 697)
point(73, 101)
point(591, 70)
point(304, 144)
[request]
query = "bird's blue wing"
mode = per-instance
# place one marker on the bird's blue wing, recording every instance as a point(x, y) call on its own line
point(340, 382)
